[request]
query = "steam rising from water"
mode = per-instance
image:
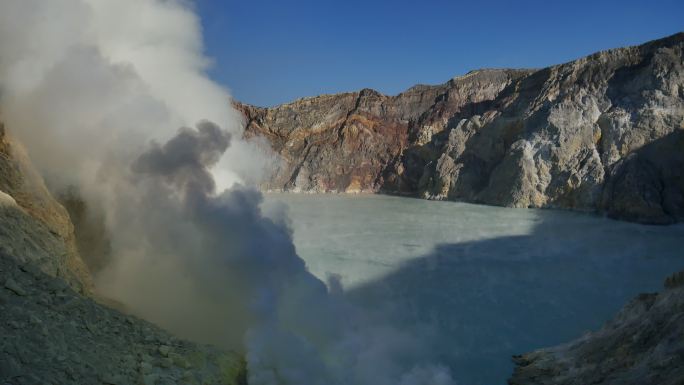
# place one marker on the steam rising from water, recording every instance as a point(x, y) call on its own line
point(93, 87)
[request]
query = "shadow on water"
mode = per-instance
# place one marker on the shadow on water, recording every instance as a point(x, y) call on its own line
point(480, 302)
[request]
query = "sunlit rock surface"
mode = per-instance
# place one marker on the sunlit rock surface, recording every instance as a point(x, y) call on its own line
point(601, 133)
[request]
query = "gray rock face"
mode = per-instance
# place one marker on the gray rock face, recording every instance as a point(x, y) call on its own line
point(53, 335)
point(33, 225)
point(643, 345)
point(602, 133)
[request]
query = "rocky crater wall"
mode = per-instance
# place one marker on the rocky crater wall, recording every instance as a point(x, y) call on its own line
point(598, 134)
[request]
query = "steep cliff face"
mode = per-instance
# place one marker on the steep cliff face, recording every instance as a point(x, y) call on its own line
point(642, 345)
point(33, 225)
point(346, 142)
point(602, 133)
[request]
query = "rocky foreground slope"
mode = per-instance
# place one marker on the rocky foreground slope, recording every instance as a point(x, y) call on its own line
point(53, 335)
point(51, 330)
point(35, 226)
point(642, 345)
point(603, 133)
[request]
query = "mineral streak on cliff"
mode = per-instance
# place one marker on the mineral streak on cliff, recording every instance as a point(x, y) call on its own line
point(601, 133)
point(344, 142)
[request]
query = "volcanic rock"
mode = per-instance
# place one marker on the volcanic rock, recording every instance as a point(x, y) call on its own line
point(599, 134)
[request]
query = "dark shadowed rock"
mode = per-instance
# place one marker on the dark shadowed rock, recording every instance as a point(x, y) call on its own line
point(647, 184)
point(642, 345)
point(53, 335)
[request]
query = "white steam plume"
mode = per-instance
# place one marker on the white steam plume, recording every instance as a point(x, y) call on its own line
point(104, 74)
point(94, 89)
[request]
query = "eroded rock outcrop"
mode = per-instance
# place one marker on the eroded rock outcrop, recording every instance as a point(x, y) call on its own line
point(345, 142)
point(602, 133)
point(642, 345)
point(37, 228)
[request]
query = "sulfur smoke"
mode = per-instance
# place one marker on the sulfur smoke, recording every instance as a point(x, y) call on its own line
point(96, 90)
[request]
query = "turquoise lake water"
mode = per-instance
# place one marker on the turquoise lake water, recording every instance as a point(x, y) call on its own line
point(479, 283)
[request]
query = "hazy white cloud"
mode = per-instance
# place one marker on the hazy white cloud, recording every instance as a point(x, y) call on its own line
point(96, 90)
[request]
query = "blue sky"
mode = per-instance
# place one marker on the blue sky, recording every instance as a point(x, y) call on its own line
point(271, 52)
